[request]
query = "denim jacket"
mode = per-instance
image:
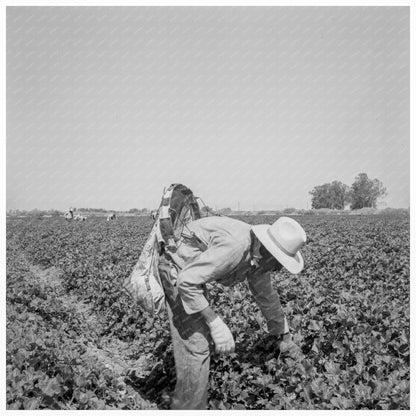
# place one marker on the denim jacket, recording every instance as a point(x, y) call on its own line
point(224, 256)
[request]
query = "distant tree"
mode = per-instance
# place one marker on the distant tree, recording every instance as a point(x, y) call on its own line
point(332, 195)
point(225, 211)
point(206, 210)
point(289, 210)
point(365, 192)
point(133, 211)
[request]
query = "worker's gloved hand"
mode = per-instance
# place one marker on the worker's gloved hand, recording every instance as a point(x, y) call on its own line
point(223, 339)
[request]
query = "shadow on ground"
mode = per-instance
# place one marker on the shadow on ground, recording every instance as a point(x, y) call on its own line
point(259, 350)
point(157, 385)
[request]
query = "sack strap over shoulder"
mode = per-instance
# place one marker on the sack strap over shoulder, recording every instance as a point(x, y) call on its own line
point(178, 207)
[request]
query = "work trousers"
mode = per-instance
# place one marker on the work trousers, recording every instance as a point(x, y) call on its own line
point(192, 346)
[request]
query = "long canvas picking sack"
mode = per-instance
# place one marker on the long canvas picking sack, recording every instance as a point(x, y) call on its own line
point(144, 284)
point(178, 207)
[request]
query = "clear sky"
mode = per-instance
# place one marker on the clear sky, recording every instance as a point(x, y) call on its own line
point(250, 107)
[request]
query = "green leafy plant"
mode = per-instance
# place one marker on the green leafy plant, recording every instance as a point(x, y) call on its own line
point(349, 311)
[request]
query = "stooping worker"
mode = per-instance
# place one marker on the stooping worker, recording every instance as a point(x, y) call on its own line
point(227, 251)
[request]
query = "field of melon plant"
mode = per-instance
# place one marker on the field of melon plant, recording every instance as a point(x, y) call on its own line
point(75, 341)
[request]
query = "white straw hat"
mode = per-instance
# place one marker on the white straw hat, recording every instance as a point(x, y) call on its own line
point(283, 239)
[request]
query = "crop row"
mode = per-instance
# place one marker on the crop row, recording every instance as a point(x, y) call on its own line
point(349, 310)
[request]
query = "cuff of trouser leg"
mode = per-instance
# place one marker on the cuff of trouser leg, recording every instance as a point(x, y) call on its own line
point(195, 306)
point(276, 328)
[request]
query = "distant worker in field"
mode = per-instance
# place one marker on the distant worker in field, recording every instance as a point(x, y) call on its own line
point(153, 214)
point(228, 251)
point(111, 217)
point(70, 214)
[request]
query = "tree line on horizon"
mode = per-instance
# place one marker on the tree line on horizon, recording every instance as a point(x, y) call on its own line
point(363, 193)
point(56, 212)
